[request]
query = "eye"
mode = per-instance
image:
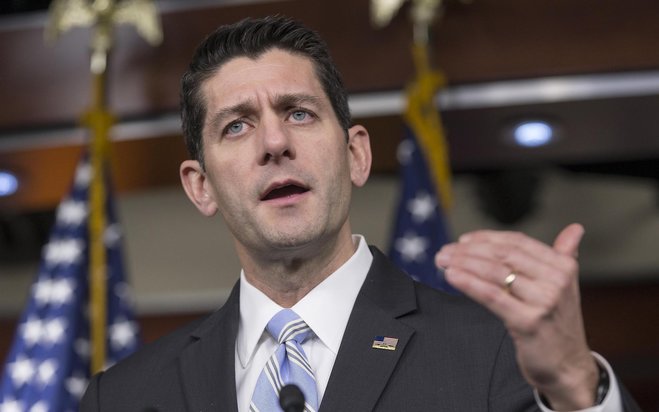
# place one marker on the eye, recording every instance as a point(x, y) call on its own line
point(299, 115)
point(234, 127)
point(302, 116)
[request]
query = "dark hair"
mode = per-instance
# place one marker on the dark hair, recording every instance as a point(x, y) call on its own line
point(251, 38)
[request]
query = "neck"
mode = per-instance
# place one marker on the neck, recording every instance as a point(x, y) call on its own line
point(291, 275)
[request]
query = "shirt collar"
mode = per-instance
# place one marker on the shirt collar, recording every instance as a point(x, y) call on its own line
point(338, 292)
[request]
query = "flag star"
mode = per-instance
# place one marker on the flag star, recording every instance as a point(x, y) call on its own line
point(58, 292)
point(31, 331)
point(71, 212)
point(65, 251)
point(412, 248)
point(62, 291)
point(21, 370)
point(46, 371)
point(11, 405)
point(40, 406)
point(41, 291)
point(122, 334)
point(54, 329)
point(404, 151)
point(76, 385)
point(421, 207)
point(83, 175)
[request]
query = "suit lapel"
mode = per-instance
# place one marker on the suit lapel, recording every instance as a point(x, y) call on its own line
point(360, 371)
point(207, 365)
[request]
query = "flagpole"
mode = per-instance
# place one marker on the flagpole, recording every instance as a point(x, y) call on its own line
point(421, 101)
point(101, 15)
point(99, 120)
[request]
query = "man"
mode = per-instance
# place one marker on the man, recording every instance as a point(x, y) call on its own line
point(266, 121)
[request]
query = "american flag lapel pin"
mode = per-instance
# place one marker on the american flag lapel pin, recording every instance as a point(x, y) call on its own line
point(385, 342)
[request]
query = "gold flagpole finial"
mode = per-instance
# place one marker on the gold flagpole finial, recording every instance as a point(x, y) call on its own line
point(102, 15)
point(382, 11)
point(423, 13)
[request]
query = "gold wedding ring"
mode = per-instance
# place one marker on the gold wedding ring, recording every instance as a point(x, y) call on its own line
point(509, 280)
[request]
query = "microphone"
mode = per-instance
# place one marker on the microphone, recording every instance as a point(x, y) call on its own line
point(291, 398)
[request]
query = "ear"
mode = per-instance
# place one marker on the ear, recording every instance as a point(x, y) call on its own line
point(359, 147)
point(196, 186)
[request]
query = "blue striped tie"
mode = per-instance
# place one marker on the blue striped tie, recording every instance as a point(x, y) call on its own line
point(288, 364)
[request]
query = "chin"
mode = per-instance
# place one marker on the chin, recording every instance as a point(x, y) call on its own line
point(288, 241)
point(292, 239)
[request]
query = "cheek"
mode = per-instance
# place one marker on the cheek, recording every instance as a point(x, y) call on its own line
point(337, 170)
point(230, 202)
point(231, 187)
point(226, 181)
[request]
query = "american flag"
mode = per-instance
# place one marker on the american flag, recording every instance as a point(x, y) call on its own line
point(385, 342)
point(421, 228)
point(48, 366)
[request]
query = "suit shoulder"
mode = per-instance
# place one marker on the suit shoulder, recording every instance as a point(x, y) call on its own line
point(393, 290)
point(145, 376)
point(158, 353)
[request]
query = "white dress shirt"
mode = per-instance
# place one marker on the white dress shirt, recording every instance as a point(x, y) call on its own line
point(326, 310)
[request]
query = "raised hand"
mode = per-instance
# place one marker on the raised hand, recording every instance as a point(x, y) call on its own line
point(534, 289)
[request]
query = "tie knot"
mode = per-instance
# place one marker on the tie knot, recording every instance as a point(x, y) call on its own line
point(287, 325)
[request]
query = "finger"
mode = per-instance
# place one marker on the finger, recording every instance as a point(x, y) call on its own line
point(505, 245)
point(568, 240)
point(517, 315)
point(531, 245)
point(540, 291)
point(494, 261)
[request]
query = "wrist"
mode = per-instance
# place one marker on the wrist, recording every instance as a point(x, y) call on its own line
point(580, 388)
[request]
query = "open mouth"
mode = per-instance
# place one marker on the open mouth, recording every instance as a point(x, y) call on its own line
point(284, 191)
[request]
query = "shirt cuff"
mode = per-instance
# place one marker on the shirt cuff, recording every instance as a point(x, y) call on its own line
point(612, 402)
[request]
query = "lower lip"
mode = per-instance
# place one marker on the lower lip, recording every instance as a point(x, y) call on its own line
point(286, 200)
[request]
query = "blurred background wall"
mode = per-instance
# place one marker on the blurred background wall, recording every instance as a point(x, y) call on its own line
point(590, 69)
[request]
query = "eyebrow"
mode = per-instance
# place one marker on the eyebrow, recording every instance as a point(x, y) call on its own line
point(248, 107)
point(244, 108)
point(289, 100)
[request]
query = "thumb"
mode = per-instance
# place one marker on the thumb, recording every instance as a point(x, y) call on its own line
point(567, 242)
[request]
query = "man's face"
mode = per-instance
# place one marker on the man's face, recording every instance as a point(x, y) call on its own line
point(278, 167)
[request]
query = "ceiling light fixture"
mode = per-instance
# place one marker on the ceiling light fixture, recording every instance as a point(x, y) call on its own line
point(533, 133)
point(8, 183)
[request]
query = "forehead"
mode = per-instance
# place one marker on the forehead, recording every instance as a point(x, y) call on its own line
point(274, 72)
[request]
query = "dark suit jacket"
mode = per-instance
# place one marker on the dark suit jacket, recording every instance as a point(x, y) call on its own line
point(452, 355)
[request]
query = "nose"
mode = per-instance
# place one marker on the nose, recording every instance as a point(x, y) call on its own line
point(276, 141)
